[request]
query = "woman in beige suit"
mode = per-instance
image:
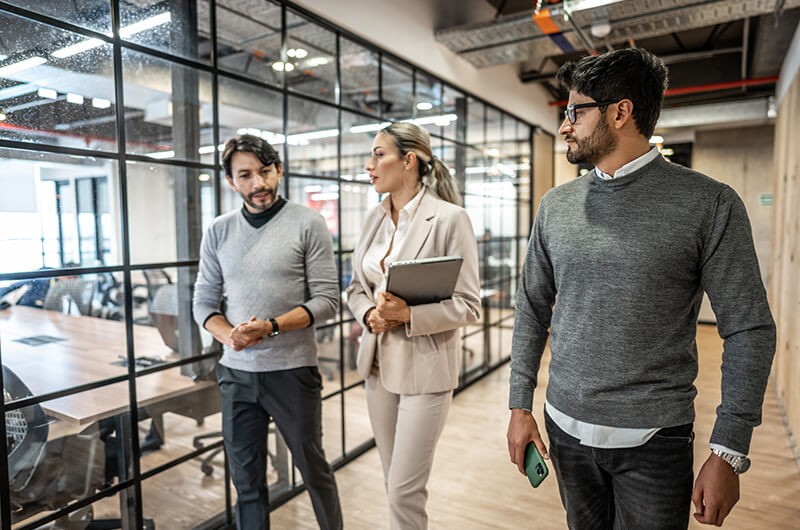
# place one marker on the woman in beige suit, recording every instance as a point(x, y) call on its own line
point(410, 355)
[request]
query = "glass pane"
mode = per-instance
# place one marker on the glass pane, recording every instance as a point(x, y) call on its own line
point(313, 131)
point(167, 211)
point(357, 135)
point(428, 104)
point(182, 497)
point(90, 14)
point(40, 226)
point(454, 108)
point(248, 109)
point(179, 28)
point(356, 201)
point(249, 41)
point(359, 70)
point(475, 121)
point(55, 88)
point(332, 427)
point(398, 90)
point(357, 427)
point(309, 60)
point(321, 196)
point(328, 355)
point(169, 108)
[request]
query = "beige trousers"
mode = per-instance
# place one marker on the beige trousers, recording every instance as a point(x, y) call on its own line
point(407, 428)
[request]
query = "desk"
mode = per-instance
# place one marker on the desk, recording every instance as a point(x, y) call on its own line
point(85, 354)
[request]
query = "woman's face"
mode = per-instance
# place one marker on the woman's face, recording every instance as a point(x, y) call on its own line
point(386, 166)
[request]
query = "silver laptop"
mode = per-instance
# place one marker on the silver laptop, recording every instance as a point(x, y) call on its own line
point(424, 281)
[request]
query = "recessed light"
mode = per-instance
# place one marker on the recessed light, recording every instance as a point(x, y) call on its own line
point(424, 105)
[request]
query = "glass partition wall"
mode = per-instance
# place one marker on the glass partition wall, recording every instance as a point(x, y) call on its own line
point(112, 118)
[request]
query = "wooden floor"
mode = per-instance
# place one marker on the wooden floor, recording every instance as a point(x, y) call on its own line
point(473, 485)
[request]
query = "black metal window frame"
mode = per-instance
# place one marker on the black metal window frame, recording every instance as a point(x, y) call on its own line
point(121, 156)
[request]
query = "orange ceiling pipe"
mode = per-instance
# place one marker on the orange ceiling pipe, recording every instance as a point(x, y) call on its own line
point(700, 88)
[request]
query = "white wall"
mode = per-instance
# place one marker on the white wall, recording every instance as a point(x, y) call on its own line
point(406, 29)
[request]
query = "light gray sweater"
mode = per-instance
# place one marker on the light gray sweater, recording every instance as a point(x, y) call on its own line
point(266, 272)
point(625, 263)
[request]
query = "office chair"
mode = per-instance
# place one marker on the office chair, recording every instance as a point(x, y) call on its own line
point(67, 293)
point(49, 474)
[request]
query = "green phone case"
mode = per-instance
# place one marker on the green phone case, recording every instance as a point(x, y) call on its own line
point(535, 467)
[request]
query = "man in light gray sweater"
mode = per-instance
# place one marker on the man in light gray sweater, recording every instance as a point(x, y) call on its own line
point(273, 263)
point(615, 272)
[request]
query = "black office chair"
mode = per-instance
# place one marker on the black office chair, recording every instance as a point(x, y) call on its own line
point(49, 474)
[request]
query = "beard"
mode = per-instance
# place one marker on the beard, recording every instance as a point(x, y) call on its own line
point(257, 205)
point(594, 147)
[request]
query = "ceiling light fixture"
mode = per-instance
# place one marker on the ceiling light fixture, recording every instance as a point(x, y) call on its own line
point(655, 139)
point(13, 68)
point(3, 115)
point(47, 93)
point(424, 105)
point(126, 32)
point(77, 99)
point(100, 103)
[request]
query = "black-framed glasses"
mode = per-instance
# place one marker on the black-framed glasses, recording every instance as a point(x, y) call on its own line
point(571, 114)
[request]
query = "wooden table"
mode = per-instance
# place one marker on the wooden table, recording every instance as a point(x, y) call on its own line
point(85, 351)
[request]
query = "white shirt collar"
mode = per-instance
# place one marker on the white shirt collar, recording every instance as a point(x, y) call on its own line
point(630, 167)
point(411, 206)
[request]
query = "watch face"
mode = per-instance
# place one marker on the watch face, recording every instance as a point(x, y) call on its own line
point(743, 465)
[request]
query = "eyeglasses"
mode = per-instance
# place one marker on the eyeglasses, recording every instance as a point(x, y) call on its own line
point(571, 114)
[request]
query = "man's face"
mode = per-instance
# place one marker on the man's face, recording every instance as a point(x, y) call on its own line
point(590, 138)
point(256, 183)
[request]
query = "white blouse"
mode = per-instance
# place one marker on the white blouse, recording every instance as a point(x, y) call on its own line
point(387, 242)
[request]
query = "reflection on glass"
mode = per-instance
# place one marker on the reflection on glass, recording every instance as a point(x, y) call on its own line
point(321, 196)
point(249, 42)
point(57, 210)
point(90, 14)
point(309, 61)
point(247, 109)
point(359, 70)
point(52, 95)
point(179, 28)
point(313, 131)
point(475, 121)
point(398, 90)
point(167, 211)
point(169, 108)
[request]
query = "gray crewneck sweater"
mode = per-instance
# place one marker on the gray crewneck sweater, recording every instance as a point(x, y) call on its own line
point(266, 272)
point(616, 270)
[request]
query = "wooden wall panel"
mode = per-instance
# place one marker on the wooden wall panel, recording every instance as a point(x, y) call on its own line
point(785, 286)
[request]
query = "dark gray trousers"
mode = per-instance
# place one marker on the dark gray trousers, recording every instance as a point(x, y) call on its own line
point(293, 399)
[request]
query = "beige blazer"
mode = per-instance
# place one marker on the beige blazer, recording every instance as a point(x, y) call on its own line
point(424, 356)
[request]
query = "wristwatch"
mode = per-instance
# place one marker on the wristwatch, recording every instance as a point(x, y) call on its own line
point(740, 464)
point(275, 331)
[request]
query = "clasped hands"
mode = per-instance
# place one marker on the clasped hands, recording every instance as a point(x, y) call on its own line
point(248, 333)
point(389, 312)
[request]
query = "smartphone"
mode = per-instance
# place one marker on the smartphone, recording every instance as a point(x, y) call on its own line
point(535, 467)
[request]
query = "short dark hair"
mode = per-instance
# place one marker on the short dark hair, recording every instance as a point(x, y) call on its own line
point(250, 144)
point(630, 73)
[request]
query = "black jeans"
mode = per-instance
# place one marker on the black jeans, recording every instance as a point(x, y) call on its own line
point(292, 398)
point(646, 487)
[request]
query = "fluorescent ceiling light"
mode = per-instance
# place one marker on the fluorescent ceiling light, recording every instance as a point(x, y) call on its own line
point(100, 103)
point(126, 32)
point(327, 196)
point(278, 66)
point(206, 149)
point(161, 154)
point(655, 139)
point(74, 49)
point(582, 5)
point(317, 61)
point(441, 120)
point(48, 93)
point(369, 127)
point(144, 25)
point(303, 138)
point(424, 105)
point(75, 98)
point(204, 177)
point(297, 53)
point(13, 68)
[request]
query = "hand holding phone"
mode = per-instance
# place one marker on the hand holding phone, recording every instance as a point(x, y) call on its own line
point(535, 467)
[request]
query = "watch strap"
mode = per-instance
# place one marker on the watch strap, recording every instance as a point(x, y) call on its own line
point(275, 330)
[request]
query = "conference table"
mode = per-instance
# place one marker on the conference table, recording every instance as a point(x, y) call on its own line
point(52, 351)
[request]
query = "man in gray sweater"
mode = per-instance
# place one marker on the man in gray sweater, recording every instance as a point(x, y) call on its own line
point(273, 263)
point(615, 272)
